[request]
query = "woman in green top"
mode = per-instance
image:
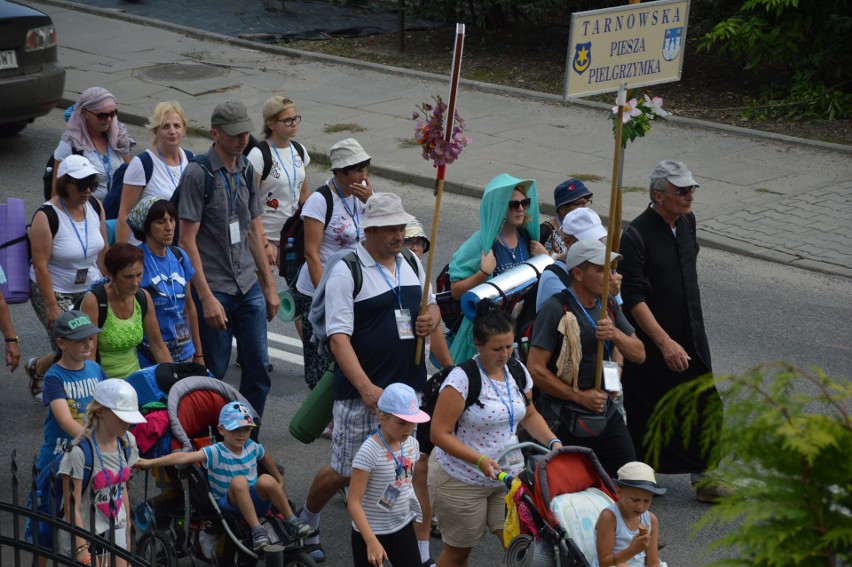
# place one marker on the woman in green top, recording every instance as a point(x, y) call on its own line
point(124, 324)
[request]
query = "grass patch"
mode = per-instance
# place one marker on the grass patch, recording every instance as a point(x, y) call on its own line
point(765, 190)
point(194, 54)
point(407, 143)
point(343, 127)
point(632, 189)
point(587, 177)
point(196, 132)
point(320, 159)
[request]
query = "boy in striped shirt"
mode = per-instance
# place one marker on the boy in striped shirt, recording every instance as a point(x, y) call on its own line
point(232, 474)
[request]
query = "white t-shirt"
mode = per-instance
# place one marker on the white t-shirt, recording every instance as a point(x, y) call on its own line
point(163, 182)
point(484, 429)
point(374, 458)
point(105, 164)
point(340, 234)
point(280, 190)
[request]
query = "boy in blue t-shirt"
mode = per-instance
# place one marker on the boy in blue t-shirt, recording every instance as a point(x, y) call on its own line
point(69, 384)
point(232, 474)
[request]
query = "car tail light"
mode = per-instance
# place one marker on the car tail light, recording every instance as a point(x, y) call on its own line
point(40, 38)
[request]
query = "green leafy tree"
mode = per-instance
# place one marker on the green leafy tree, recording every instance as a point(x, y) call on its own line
point(807, 41)
point(787, 443)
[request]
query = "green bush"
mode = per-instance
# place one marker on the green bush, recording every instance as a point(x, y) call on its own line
point(806, 43)
point(786, 443)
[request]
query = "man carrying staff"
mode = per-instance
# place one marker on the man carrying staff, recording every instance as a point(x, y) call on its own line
point(372, 334)
point(662, 300)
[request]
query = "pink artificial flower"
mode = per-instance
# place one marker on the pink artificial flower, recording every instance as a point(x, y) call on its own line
point(656, 106)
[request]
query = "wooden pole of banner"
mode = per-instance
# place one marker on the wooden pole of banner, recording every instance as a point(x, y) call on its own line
point(442, 170)
point(614, 224)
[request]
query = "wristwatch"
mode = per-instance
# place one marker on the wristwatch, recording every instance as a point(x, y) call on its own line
point(12, 340)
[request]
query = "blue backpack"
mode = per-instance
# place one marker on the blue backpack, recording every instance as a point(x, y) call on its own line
point(47, 498)
point(112, 201)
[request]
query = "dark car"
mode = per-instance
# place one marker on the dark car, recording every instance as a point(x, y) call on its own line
point(31, 78)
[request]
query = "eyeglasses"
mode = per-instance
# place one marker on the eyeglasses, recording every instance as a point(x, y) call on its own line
point(290, 121)
point(581, 202)
point(415, 242)
point(682, 191)
point(102, 116)
point(515, 205)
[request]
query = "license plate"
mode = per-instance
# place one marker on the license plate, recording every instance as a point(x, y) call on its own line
point(8, 60)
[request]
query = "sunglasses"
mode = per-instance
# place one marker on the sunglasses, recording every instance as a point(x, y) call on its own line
point(102, 116)
point(515, 205)
point(82, 185)
point(290, 121)
point(683, 191)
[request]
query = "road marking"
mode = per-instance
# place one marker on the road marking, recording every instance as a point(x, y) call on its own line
point(280, 354)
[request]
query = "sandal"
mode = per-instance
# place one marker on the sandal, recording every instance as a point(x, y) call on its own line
point(36, 382)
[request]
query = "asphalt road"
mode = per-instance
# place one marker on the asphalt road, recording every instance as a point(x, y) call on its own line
point(756, 312)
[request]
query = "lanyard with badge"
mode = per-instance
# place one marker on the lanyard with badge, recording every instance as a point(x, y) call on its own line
point(392, 492)
point(233, 219)
point(105, 160)
point(513, 458)
point(180, 326)
point(290, 182)
point(82, 274)
point(351, 211)
point(612, 383)
point(168, 170)
point(114, 504)
point(403, 316)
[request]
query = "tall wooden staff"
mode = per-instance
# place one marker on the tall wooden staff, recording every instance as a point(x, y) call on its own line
point(613, 231)
point(442, 169)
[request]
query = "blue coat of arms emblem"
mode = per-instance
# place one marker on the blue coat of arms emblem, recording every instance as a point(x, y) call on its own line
point(582, 57)
point(671, 43)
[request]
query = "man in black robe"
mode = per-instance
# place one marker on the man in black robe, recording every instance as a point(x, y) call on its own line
point(663, 302)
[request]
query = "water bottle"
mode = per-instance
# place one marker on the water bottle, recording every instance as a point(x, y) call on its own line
point(525, 348)
point(291, 261)
point(515, 353)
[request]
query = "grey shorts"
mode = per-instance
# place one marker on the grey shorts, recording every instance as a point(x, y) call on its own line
point(353, 423)
point(65, 301)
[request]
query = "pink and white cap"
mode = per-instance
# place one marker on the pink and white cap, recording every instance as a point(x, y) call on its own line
point(401, 400)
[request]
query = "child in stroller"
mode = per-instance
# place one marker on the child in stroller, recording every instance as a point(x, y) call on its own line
point(235, 491)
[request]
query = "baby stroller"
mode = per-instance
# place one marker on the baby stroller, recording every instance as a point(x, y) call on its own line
point(188, 522)
point(561, 495)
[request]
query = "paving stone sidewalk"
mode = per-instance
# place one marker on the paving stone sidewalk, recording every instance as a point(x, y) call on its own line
point(761, 195)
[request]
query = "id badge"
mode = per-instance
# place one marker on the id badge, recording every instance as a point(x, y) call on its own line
point(234, 229)
point(81, 277)
point(403, 324)
point(182, 334)
point(612, 383)
point(388, 498)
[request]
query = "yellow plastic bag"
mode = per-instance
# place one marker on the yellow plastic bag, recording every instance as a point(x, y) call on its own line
point(512, 525)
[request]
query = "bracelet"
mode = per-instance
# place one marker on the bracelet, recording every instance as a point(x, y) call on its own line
point(486, 273)
point(194, 356)
point(12, 340)
point(479, 462)
point(83, 547)
point(552, 441)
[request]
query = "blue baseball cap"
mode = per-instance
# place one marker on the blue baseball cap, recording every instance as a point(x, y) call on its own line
point(401, 400)
point(569, 191)
point(235, 415)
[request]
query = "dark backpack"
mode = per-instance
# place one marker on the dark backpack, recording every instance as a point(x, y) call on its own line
point(112, 201)
point(526, 318)
point(47, 497)
point(47, 177)
point(451, 312)
point(433, 388)
point(266, 152)
point(291, 259)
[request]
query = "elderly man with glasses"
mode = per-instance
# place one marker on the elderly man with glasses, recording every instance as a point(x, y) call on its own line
point(662, 300)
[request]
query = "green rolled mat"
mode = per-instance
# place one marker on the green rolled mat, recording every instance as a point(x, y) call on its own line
point(310, 421)
point(287, 310)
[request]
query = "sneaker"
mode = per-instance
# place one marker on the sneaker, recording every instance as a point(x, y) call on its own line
point(316, 552)
point(259, 538)
point(297, 527)
point(36, 381)
point(435, 531)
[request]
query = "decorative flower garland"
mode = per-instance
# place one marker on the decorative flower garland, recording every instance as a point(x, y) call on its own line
point(429, 133)
point(637, 116)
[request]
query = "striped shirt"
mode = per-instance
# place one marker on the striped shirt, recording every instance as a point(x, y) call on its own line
point(223, 465)
point(374, 458)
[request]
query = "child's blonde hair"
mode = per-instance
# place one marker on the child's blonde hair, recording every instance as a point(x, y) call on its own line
point(92, 418)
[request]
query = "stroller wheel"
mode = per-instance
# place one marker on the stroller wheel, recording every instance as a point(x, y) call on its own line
point(524, 551)
point(299, 559)
point(156, 548)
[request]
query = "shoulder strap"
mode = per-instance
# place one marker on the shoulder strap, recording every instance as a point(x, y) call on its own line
point(142, 300)
point(563, 276)
point(96, 205)
point(52, 218)
point(300, 149)
point(177, 252)
point(88, 462)
point(517, 372)
point(189, 154)
point(266, 153)
point(325, 191)
point(409, 257)
point(99, 291)
point(354, 265)
point(209, 178)
point(474, 382)
point(147, 165)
